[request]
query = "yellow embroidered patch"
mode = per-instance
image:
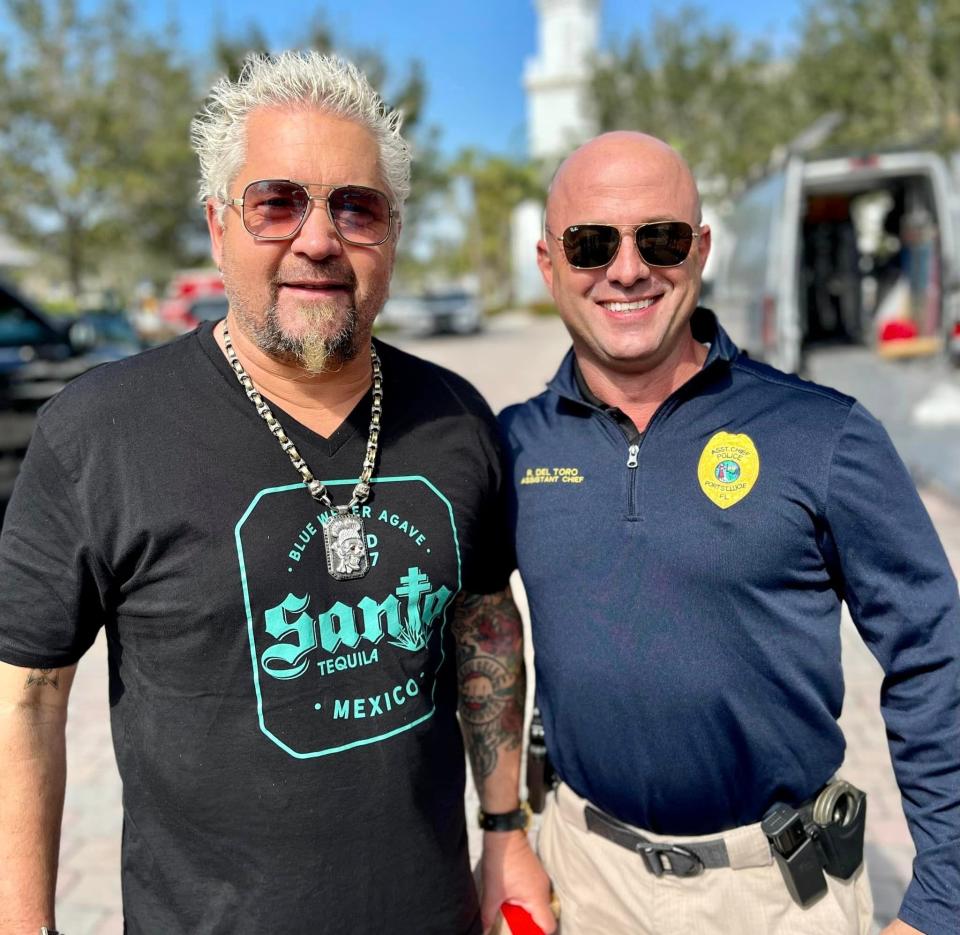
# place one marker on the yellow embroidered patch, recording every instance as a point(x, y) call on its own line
point(729, 467)
point(552, 475)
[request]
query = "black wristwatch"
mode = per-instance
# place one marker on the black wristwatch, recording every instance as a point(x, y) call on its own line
point(517, 820)
point(45, 931)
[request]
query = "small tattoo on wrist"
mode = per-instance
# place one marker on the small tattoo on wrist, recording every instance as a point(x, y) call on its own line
point(42, 677)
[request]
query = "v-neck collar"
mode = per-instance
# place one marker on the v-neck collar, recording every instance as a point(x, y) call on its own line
point(356, 422)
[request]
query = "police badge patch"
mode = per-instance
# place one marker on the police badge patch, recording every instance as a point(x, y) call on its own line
point(729, 467)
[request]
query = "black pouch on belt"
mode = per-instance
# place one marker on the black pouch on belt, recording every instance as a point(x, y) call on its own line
point(540, 775)
point(838, 819)
point(823, 835)
point(795, 853)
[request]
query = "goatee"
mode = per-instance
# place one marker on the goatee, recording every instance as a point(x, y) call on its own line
point(327, 336)
point(315, 349)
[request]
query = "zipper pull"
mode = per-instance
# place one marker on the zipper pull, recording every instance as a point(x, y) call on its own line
point(632, 453)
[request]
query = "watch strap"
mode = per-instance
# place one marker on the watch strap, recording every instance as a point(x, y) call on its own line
point(516, 820)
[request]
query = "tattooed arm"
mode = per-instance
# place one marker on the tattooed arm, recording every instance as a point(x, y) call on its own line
point(33, 715)
point(492, 682)
point(491, 677)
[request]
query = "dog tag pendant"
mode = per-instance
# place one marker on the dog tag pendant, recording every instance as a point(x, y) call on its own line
point(346, 546)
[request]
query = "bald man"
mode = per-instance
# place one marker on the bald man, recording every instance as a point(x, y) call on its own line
point(687, 524)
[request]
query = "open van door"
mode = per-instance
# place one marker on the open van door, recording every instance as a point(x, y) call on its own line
point(951, 281)
point(755, 291)
point(783, 332)
point(903, 207)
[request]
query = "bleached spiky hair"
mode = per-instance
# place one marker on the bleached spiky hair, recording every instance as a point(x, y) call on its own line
point(218, 132)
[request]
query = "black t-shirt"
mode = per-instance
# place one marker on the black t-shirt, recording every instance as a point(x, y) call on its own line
point(290, 755)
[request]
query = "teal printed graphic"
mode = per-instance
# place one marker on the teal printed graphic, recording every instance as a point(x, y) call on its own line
point(339, 626)
point(340, 664)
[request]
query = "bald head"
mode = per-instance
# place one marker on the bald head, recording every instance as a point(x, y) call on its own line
point(626, 304)
point(623, 166)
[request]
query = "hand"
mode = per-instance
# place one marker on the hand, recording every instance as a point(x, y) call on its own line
point(896, 927)
point(510, 872)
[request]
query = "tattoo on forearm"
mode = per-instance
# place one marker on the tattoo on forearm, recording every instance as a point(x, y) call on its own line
point(491, 677)
point(41, 677)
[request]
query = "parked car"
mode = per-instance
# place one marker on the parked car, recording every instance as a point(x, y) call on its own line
point(185, 314)
point(38, 357)
point(106, 332)
point(207, 308)
point(454, 311)
point(194, 296)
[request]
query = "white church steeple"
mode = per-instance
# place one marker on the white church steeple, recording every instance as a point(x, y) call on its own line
point(556, 79)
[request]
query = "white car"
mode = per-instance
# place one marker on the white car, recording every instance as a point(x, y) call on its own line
point(454, 311)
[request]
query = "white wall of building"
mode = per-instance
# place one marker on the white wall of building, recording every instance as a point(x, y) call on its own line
point(525, 231)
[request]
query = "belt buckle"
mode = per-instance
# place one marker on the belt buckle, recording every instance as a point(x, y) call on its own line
point(669, 858)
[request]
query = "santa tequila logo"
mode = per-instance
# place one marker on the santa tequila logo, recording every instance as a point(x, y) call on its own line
point(404, 617)
point(340, 664)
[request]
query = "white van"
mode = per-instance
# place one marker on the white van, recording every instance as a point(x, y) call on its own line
point(842, 249)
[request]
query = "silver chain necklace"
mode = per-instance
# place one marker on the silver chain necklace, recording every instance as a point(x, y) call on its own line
point(344, 538)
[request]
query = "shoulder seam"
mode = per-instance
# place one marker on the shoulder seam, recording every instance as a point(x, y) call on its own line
point(457, 393)
point(70, 486)
point(833, 454)
point(134, 360)
point(841, 399)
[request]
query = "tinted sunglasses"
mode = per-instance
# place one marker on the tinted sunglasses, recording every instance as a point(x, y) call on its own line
point(659, 243)
point(276, 209)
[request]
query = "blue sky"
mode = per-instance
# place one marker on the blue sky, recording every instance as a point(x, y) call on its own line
point(473, 52)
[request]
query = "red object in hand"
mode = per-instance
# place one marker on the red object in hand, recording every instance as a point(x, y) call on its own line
point(519, 921)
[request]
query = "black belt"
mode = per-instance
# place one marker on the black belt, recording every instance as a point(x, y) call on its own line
point(682, 860)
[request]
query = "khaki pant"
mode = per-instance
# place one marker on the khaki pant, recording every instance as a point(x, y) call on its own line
point(604, 889)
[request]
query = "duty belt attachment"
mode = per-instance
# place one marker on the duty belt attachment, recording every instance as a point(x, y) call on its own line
point(824, 835)
point(681, 860)
point(821, 836)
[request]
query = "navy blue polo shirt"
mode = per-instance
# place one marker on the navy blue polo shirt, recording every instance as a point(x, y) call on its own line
point(686, 611)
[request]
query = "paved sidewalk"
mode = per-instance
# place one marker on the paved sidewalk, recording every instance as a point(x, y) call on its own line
point(88, 887)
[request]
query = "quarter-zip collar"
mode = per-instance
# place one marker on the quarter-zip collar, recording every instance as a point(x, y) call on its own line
point(705, 329)
point(624, 421)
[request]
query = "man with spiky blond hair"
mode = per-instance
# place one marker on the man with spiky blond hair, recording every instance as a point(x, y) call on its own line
point(292, 535)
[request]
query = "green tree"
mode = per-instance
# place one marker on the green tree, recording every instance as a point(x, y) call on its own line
point(94, 138)
point(890, 68)
point(228, 52)
point(723, 104)
point(94, 142)
point(497, 185)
